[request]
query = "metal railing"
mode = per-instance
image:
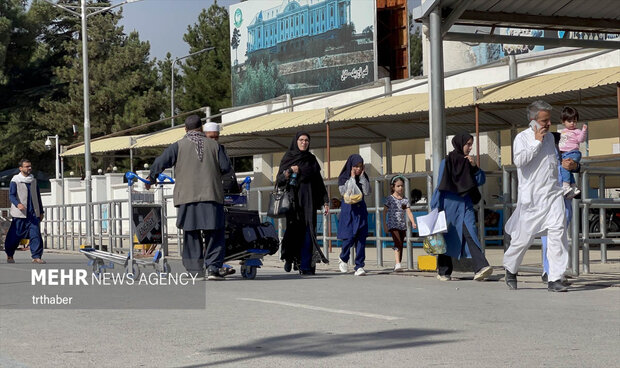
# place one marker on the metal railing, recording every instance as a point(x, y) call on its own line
point(64, 226)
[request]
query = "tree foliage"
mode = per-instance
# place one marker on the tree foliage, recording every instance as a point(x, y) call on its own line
point(207, 75)
point(415, 49)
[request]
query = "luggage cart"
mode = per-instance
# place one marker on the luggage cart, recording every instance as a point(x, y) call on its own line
point(247, 239)
point(144, 217)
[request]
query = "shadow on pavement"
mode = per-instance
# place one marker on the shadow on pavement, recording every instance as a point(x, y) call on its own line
point(324, 345)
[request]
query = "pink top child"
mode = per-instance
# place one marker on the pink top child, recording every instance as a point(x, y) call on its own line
point(570, 138)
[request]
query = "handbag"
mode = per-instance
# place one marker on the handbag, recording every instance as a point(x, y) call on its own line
point(279, 202)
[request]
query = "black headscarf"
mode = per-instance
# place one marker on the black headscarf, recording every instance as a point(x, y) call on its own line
point(459, 174)
point(296, 157)
point(345, 174)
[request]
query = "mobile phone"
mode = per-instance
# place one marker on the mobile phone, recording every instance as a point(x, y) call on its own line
point(534, 123)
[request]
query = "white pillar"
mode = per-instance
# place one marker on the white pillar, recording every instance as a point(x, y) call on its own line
point(263, 176)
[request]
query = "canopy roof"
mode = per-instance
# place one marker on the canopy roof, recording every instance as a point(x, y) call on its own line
point(404, 116)
point(104, 145)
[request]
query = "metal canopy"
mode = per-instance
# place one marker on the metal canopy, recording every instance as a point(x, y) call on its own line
point(601, 16)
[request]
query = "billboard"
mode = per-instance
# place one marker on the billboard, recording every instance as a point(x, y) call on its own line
point(300, 47)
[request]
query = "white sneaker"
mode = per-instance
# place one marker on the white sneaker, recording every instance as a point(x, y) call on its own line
point(398, 268)
point(344, 267)
point(444, 278)
point(483, 273)
point(572, 193)
point(360, 272)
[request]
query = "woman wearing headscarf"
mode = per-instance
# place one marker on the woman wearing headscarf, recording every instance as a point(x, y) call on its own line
point(301, 173)
point(353, 221)
point(457, 193)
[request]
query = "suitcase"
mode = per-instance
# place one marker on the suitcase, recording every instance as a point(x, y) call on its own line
point(244, 231)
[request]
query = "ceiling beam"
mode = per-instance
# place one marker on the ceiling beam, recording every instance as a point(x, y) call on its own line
point(472, 17)
point(544, 41)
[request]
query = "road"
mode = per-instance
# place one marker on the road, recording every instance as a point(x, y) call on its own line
point(327, 320)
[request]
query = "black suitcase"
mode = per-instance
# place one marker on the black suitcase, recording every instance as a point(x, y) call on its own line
point(245, 231)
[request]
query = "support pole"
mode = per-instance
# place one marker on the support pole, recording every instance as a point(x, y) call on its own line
point(477, 136)
point(329, 175)
point(437, 99)
point(575, 234)
point(88, 179)
point(602, 218)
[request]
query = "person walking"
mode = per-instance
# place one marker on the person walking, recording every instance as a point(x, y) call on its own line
point(353, 221)
point(198, 196)
point(27, 213)
point(300, 173)
point(457, 193)
point(394, 221)
point(540, 203)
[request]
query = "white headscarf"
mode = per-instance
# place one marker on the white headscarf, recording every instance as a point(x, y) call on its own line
point(19, 178)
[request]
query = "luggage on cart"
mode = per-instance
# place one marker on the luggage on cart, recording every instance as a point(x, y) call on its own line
point(244, 231)
point(247, 238)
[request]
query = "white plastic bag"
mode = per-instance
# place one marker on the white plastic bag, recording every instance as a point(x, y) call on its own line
point(352, 193)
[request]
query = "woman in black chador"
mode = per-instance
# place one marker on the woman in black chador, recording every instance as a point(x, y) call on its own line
point(301, 173)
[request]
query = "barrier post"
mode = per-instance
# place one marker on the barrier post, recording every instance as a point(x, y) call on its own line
point(585, 224)
point(378, 225)
point(602, 218)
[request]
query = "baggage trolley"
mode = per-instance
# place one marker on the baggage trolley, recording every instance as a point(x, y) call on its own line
point(247, 239)
point(146, 223)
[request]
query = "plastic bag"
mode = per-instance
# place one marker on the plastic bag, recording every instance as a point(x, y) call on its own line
point(435, 244)
point(352, 193)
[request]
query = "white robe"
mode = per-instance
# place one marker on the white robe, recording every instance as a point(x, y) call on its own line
point(540, 204)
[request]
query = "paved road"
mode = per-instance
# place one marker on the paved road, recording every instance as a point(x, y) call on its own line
point(329, 320)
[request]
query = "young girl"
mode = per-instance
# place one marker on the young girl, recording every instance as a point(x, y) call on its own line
point(569, 147)
point(353, 228)
point(394, 222)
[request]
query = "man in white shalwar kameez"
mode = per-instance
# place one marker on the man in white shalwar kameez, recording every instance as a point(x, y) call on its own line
point(540, 204)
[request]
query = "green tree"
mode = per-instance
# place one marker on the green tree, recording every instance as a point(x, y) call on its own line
point(415, 49)
point(207, 75)
point(27, 55)
point(260, 82)
point(125, 88)
point(234, 42)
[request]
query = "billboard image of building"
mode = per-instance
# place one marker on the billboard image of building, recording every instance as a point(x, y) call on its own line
point(300, 47)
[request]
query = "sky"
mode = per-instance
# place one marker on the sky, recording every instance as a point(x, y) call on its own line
point(164, 22)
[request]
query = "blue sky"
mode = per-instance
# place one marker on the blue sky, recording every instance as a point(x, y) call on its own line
point(164, 22)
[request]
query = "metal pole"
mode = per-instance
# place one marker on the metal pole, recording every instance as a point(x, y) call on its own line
point(329, 172)
point(575, 234)
point(410, 264)
point(89, 194)
point(57, 157)
point(437, 101)
point(172, 92)
point(378, 226)
point(477, 136)
point(602, 218)
point(584, 224)
point(512, 67)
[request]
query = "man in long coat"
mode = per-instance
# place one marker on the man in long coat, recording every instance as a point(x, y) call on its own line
point(198, 196)
point(540, 204)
